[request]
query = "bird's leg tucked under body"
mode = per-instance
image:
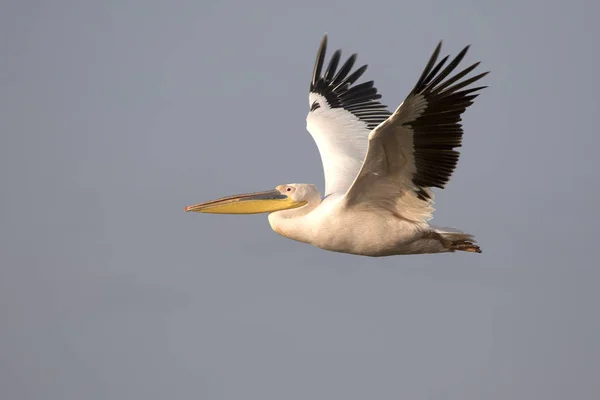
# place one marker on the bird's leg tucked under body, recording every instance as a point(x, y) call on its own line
point(465, 245)
point(454, 241)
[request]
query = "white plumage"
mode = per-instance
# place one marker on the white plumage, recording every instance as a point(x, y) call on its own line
point(379, 166)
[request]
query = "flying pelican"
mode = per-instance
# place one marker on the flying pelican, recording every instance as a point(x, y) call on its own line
point(379, 166)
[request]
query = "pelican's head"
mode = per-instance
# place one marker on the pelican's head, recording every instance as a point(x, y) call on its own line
point(283, 197)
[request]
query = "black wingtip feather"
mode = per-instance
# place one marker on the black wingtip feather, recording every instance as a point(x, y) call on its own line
point(336, 86)
point(320, 59)
point(333, 64)
point(429, 65)
point(438, 131)
point(343, 71)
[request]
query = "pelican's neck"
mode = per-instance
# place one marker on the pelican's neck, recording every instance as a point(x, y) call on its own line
point(295, 223)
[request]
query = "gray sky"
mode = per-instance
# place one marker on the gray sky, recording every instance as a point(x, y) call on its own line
point(115, 115)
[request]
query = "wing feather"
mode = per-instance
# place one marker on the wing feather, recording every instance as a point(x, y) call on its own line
point(341, 117)
point(413, 149)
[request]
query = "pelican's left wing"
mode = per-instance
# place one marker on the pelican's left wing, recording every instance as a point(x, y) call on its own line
point(413, 149)
point(340, 118)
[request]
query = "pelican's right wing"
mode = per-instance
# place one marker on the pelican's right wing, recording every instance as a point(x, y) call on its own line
point(340, 118)
point(413, 149)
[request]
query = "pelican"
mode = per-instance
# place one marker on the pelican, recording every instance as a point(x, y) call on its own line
point(379, 166)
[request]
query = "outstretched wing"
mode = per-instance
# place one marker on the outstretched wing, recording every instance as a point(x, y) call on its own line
point(341, 116)
point(413, 149)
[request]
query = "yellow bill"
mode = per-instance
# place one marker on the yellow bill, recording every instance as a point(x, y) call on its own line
point(251, 203)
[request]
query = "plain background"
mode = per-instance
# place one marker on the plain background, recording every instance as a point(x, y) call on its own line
point(115, 115)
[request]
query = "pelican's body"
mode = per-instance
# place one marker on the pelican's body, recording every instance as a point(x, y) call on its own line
point(330, 226)
point(379, 166)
